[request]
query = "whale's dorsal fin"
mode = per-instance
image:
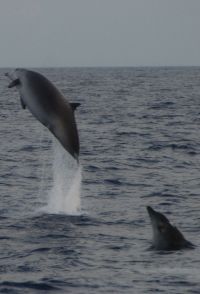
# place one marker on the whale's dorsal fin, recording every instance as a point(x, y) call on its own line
point(74, 105)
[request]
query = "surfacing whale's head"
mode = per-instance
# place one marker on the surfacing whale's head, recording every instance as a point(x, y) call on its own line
point(165, 236)
point(16, 76)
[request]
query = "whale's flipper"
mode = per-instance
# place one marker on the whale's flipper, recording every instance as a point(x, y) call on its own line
point(166, 236)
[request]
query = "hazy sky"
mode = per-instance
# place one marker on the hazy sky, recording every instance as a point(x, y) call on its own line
point(37, 33)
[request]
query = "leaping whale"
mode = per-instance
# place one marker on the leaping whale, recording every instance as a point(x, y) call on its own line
point(166, 236)
point(48, 105)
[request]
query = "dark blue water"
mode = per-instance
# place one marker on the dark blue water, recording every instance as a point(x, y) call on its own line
point(140, 145)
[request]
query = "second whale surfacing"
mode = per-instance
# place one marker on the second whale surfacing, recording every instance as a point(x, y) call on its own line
point(49, 106)
point(166, 236)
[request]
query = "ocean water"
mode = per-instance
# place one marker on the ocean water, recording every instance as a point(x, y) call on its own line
point(140, 145)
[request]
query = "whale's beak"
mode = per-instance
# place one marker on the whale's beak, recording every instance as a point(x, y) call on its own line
point(150, 210)
point(14, 80)
point(14, 83)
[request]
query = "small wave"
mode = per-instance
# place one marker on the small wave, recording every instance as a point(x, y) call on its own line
point(38, 250)
point(113, 181)
point(2, 211)
point(92, 167)
point(49, 220)
point(29, 148)
point(174, 146)
point(166, 90)
point(163, 194)
point(54, 236)
point(4, 238)
point(84, 220)
point(162, 105)
point(28, 285)
point(118, 247)
point(156, 147)
point(127, 133)
point(181, 146)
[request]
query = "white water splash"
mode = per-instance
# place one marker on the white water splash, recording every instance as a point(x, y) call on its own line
point(64, 196)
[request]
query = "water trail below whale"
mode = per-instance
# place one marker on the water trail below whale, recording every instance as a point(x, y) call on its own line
point(64, 196)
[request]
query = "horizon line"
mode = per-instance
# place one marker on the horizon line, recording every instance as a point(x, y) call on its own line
point(96, 66)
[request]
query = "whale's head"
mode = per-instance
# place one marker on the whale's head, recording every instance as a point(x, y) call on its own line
point(158, 220)
point(16, 76)
point(165, 235)
point(161, 227)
